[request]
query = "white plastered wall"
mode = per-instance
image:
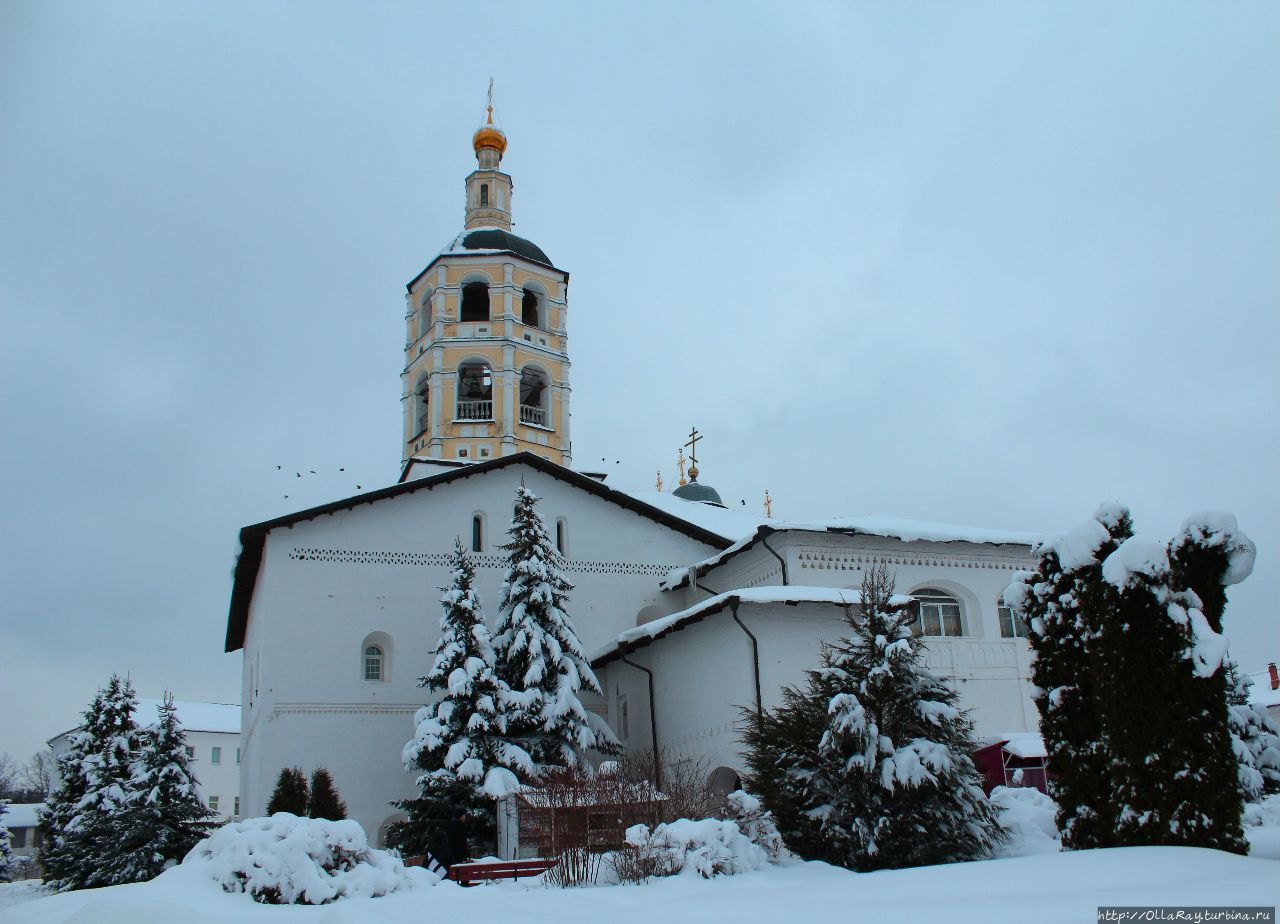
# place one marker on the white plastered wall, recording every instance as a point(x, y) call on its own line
point(324, 585)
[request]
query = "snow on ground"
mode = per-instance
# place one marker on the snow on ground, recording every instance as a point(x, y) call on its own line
point(1052, 888)
point(1262, 827)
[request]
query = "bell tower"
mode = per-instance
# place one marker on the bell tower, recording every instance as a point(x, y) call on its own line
point(486, 369)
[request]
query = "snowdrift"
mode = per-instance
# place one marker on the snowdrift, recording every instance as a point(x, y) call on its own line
point(287, 860)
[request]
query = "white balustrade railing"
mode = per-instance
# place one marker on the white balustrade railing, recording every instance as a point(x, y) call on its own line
point(533, 415)
point(474, 410)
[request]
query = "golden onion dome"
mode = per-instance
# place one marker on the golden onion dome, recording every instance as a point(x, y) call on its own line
point(487, 136)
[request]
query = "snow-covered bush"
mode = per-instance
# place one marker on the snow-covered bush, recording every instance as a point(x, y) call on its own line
point(1029, 817)
point(284, 859)
point(1265, 813)
point(757, 823)
point(709, 847)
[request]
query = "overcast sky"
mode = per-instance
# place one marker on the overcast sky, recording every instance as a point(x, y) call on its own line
point(974, 263)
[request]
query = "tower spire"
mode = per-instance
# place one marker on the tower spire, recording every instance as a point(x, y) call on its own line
point(488, 188)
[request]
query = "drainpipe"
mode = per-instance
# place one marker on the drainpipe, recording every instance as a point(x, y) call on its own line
point(755, 644)
point(755, 651)
point(653, 724)
point(764, 541)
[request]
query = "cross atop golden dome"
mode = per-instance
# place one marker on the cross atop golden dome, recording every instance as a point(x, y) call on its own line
point(488, 135)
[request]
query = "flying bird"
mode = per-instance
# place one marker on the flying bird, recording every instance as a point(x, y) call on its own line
point(278, 468)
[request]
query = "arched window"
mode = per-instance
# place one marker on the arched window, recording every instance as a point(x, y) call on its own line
point(533, 396)
point(475, 392)
point(1011, 625)
point(561, 535)
point(939, 614)
point(477, 533)
point(529, 313)
point(422, 399)
point(373, 666)
point(475, 302)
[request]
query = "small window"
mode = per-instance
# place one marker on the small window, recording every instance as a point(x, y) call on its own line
point(237, 763)
point(373, 663)
point(215, 756)
point(624, 723)
point(18, 837)
point(560, 536)
point(213, 803)
point(477, 533)
point(237, 807)
point(1011, 626)
point(191, 752)
point(484, 195)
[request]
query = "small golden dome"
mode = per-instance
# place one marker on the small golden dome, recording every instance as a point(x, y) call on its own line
point(487, 136)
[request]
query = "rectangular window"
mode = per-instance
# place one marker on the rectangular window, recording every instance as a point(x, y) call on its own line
point(484, 194)
point(213, 803)
point(237, 756)
point(215, 756)
point(191, 752)
point(237, 804)
point(18, 837)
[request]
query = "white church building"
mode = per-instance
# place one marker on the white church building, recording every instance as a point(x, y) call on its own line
point(688, 610)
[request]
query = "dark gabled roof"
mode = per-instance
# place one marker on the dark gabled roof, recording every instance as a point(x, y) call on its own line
point(253, 538)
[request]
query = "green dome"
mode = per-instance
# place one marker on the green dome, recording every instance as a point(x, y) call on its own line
point(699, 492)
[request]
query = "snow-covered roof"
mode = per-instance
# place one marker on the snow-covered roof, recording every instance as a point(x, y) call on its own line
point(864, 525)
point(1024, 744)
point(22, 814)
point(208, 717)
point(253, 538)
point(791, 594)
point(1261, 694)
point(730, 522)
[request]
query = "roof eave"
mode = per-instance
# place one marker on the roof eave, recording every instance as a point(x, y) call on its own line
point(482, 255)
point(253, 538)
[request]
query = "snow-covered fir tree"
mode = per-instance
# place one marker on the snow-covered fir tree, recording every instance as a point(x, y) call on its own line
point(1208, 555)
point(82, 818)
point(1132, 692)
point(1255, 738)
point(464, 734)
point(458, 749)
point(291, 793)
point(6, 851)
point(1162, 702)
point(897, 786)
point(1058, 601)
point(164, 817)
point(539, 657)
point(781, 752)
point(323, 800)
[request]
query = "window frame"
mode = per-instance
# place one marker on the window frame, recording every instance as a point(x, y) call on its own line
point(1018, 628)
point(370, 659)
point(932, 598)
